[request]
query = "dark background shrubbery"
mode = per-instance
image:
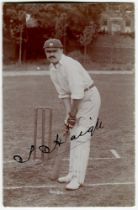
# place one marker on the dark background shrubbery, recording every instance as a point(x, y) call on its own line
point(67, 22)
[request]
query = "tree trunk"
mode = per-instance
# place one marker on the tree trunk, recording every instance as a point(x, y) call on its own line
point(20, 46)
point(85, 53)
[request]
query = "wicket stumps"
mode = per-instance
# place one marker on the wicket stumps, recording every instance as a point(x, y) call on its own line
point(43, 127)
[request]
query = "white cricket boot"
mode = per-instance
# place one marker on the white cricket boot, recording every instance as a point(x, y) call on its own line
point(73, 185)
point(65, 179)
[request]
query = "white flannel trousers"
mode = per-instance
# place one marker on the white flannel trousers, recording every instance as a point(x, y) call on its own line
point(80, 147)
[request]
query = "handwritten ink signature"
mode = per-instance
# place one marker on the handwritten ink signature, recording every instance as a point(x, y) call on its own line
point(43, 148)
point(58, 141)
point(46, 149)
point(19, 159)
point(91, 130)
point(99, 124)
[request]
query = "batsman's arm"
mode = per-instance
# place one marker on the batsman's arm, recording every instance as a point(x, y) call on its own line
point(71, 107)
point(74, 106)
point(67, 105)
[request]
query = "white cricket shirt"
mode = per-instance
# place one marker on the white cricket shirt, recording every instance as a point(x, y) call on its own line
point(70, 78)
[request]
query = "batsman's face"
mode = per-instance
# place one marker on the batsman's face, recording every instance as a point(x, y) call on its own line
point(53, 54)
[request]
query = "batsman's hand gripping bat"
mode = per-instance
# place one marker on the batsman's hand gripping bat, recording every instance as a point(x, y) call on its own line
point(60, 154)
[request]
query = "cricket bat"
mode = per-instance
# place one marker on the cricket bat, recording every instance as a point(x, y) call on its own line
point(62, 149)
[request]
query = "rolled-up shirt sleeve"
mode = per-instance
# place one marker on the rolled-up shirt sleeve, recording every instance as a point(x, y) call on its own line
point(75, 81)
point(63, 95)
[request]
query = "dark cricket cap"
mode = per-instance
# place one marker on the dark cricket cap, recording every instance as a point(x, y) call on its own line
point(53, 43)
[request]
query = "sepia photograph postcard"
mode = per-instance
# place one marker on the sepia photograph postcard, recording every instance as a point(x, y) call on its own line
point(68, 103)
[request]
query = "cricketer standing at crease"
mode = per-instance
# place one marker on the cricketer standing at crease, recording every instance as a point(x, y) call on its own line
point(82, 102)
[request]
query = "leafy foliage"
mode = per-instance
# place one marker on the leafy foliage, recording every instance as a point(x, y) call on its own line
point(68, 21)
point(52, 15)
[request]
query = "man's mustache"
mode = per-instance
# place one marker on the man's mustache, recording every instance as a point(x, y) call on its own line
point(52, 57)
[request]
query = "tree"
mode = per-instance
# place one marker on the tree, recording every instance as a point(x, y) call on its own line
point(60, 28)
point(87, 36)
point(55, 19)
